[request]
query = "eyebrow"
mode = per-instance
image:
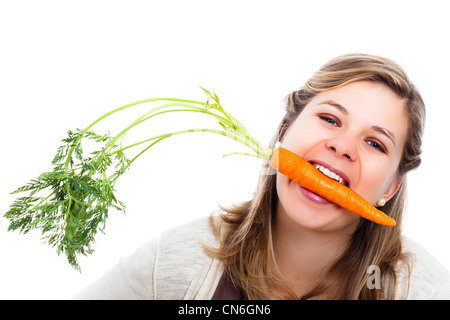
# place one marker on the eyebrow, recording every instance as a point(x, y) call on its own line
point(336, 105)
point(385, 132)
point(378, 129)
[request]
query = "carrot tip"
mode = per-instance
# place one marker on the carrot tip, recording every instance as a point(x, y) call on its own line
point(390, 223)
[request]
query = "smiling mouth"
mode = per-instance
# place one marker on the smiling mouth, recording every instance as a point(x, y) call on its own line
point(330, 174)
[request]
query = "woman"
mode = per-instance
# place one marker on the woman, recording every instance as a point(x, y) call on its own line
point(358, 118)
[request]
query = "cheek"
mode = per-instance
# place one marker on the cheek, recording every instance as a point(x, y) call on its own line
point(376, 178)
point(281, 185)
point(298, 137)
point(285, 193)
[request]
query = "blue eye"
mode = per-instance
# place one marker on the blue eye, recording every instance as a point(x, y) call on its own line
point(376, 146)
point(329, 119)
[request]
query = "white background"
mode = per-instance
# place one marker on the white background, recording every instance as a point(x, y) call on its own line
point(64, 63)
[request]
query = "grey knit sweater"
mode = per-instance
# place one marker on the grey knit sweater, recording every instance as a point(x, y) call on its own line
point(175, 266)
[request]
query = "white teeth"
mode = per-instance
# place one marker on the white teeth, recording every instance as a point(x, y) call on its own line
point(329, 173)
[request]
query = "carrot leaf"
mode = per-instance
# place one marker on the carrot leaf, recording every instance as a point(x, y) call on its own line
point(70, 204)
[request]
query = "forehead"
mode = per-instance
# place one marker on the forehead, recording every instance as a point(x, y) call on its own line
point(363, 96)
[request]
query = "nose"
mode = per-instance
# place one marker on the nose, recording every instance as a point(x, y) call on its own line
point(344, 146)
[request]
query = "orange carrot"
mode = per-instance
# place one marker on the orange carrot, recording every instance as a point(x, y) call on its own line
point(307, 176)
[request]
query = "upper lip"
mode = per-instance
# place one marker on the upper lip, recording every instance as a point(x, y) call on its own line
point(335, 170)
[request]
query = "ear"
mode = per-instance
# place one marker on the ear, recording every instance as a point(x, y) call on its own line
point(392, 190)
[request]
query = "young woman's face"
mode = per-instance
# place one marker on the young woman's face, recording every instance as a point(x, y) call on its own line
point(357, 131)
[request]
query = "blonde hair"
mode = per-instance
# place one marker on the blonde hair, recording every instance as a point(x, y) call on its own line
point(245, 230)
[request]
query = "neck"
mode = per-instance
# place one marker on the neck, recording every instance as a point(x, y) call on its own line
point(302, 255)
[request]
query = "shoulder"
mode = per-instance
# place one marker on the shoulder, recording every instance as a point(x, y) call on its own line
point(429, 279)
point(175, 266)
point(182, 264)
point(190, 235)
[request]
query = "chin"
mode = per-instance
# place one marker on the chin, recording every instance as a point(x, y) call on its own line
point(323, 220)
point(312, 219)
point(307, 214)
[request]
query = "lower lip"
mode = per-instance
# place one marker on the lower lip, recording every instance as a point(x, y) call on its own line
point(313, 197)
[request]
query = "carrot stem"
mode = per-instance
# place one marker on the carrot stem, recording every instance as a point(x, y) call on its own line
point(248, 143)
point(234, 129)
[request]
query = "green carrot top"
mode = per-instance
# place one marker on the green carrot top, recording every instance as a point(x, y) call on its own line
point(70, 203)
